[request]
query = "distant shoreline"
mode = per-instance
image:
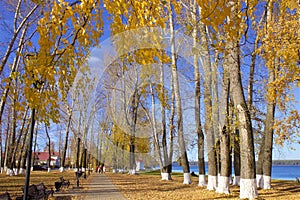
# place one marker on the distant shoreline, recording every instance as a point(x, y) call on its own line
point(274, 163)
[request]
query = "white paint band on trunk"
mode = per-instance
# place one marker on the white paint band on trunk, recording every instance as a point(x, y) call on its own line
point(8, 171)
point(267, 182)
point(16, 171)
point(259, 181)
point(165, 176)
point(230, 179)
point(236, 180)
point(61, 169)
point(187, 178)
point(22, 171)
point(212, 182)
point(248, 189)
point(202, 181)
point(223, 185)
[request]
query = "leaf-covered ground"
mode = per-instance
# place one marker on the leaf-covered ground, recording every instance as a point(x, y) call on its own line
point(14, 184)
point(149, 186)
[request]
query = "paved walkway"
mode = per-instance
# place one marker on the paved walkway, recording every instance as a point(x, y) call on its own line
point(99, 187)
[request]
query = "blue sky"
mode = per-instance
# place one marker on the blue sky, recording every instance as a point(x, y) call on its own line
point(285, 153)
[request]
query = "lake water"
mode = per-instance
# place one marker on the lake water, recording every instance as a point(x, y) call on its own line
point(278, 172)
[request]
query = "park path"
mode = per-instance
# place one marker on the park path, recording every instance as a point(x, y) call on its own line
point(100, 187)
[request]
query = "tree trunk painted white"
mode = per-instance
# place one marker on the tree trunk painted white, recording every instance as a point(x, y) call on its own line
point(31, 168)
point(202, 181)
point(236, 180)
point(83, 169)
point(15, 171)
point(259, 181)
point(166, 176)
point(61, 169)
point(267, 182)
point(230, 179)
point(132, 172)
point(223, 185)
point(49, 169)
point(1, 170)
point(22, 171)
point(212, 182)
point(187, 178)
point(199, 131)
point(178, 99)
point(248, 189)
point(115, 171)
point(8, 171)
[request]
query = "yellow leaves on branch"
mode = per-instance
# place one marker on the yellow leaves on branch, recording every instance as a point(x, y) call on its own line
point(280, 44)
point(128, 15)
point(288, 128)
point(66, 32)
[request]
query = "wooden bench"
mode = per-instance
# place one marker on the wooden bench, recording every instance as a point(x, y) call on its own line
point(62, 183)
point(37, 192)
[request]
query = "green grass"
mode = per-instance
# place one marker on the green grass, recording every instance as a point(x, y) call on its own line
point(157, 173)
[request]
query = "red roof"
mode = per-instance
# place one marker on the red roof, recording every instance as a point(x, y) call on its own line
point(43, 156)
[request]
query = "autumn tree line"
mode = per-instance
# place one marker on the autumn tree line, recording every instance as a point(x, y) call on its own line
point(227, 67)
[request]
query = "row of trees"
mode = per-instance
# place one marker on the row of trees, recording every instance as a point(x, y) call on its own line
point(218, 75)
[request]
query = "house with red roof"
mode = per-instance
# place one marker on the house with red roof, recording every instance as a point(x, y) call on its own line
point(41, 158)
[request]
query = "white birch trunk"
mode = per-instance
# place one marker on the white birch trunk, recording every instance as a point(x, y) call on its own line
point(212, 182)
point(248, 189)
point(187, 178)
point(202, 180)
point(223, 185)
point(267, 182)
point(49, 169)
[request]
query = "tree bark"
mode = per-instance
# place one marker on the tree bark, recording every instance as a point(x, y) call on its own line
point(236, 158)
point(29, 154)
point(17, 144)
point(268, 137)
point(184, 159)
point(49, 149)
point(64, 153)
point(248, 182)
point(208, 126)
point(167, 168)
point(223, 183)
point(200, 141)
